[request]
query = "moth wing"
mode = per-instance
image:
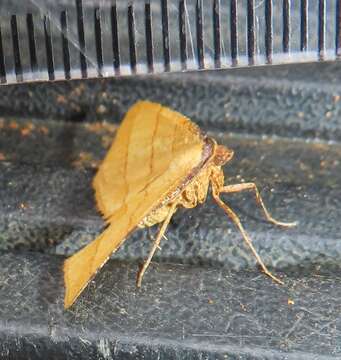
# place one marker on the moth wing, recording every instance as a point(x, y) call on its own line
point(154, 151)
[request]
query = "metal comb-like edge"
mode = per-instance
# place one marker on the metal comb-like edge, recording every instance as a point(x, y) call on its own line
point(200, 60)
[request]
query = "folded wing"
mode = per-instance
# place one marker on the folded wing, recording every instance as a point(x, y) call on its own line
point(154, 151)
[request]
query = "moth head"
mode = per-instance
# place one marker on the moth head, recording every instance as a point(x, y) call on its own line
point(222, 155)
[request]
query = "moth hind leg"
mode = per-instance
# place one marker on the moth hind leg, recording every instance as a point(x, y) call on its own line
point(234, 217)
point(253, 187)
point(156, 244)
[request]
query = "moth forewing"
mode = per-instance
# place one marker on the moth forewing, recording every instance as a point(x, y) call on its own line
point(159, 160)
point(153, 153)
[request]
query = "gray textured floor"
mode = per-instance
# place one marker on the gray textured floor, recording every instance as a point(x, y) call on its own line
point(298, 100)
point(179, 313)
point(47, 202)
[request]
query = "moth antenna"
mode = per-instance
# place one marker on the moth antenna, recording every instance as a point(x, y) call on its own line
point(156, 244)
point(234, 217)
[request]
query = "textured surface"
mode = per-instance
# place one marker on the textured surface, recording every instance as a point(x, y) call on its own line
point(204, 308)
point(53, 209)
point(285, 100)
point(180, 312)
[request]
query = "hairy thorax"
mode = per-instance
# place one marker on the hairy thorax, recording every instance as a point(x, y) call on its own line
point(193, 194)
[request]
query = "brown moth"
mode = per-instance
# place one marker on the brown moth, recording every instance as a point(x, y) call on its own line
point(158, 162)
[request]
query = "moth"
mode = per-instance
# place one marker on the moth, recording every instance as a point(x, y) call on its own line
point(159, 161)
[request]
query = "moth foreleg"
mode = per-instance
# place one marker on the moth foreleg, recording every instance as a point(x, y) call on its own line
point(253, 187)
point(156, 244)
point(234, 217)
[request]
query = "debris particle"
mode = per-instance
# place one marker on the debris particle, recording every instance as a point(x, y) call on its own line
point(25, 131)
point(336, 98)
point(243, 306)
point(13, 125)
point(291, 302)
point(106, 141)
point(101, 127)
point(61, 99)
point(109, 127)
point(94, 127)
point(30, 126)
point(300, 114)
point(101, 109)
point(210, 301)
point(123, 311)
point(23, 206)
point(44, 130)
point(76, 92)
point(303, 166)
point(328, 114)
point(268, 141)
point(85, 159)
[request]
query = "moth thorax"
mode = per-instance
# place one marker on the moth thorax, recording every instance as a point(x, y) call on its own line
point(222, 155)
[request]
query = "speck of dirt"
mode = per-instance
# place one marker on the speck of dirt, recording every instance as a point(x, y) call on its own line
point(13, 125)
point(291, 302)
point(101, 109)
point(61, 99)
point(336, 98)
point(85, 159)
point(328, 114)
point(44, 130)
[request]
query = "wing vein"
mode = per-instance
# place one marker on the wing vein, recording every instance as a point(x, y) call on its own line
point(126, 187)
point(152, 143)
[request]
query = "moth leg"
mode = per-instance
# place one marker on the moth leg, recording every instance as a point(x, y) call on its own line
point(233, 216)
point(156, 245)
point(253, 187)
